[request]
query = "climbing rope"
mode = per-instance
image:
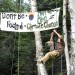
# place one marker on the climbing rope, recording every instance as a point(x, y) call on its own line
point(13, 56)
point(61, 66)
point(54, 47)
point(18, 51)
point(19, 41)
point(61, 55)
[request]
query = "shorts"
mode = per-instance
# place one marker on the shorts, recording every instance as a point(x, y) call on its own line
point(60, 51)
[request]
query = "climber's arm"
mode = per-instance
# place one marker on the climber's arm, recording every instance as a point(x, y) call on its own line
point(51, 38)
point(59, 36)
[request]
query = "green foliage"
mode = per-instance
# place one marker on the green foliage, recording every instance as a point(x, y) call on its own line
point(26, 7)
point(26, 53)
point(6, 47)
point(49, 4)
point(7, 6)
point(10, 43)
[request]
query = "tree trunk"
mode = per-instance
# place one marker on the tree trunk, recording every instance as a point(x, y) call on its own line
point(72, 15)
point(39, 48)
point(65, 38)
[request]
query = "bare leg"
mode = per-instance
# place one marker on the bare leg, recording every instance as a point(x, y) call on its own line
point(49, 54)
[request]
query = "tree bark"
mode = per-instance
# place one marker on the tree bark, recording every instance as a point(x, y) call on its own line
point(39, 48)
point(65, 38)
point(72, 18)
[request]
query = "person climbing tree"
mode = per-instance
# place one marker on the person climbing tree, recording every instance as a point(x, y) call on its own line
point(59, 47)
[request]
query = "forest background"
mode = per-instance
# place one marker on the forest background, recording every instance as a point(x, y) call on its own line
point(11, 44)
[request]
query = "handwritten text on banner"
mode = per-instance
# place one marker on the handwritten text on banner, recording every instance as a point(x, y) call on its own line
point(30, 22)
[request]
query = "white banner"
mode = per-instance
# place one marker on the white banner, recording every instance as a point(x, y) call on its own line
point(30, 22)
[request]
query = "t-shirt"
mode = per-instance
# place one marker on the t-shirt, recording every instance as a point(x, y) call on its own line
point(60, 46)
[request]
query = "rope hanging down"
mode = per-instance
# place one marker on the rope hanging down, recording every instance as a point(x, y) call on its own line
point(18, 51)
point(19, 41)
point(54, 47)
point(12, 64)
point(61, 55)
